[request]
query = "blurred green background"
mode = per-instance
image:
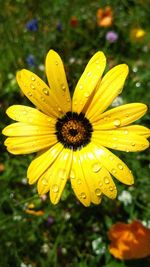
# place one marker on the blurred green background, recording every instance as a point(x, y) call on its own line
point(69, 234)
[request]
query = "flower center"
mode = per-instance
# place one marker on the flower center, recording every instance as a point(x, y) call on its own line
point(74, 130)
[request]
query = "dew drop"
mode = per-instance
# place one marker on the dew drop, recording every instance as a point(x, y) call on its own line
point(97, 191)
point(126, 132)
point(75, 102)
point(111, 157)
point(111, 188)
point(106, 180)
point(83, 195)
point(100, 184)
point(96, 167)
point(55, 188)
point(72, 174)
point(80, 86)
point(79, 181)
point(115, 138)
point(133, 144)
point(68, 100)
point(86, 94)
point(97, 61)
point(29, 94)
point(89, 73)
point(32, 86)
point(120, 166)
point(49, 119)
point(113, 171)
point(63, 87)
point(62, 173)
point(56, 62)
point(117, 122)
point(44, 181)
point(43, 99)
point(24, 112)
point(33, 78)
point(45, 91)
point(59, 109)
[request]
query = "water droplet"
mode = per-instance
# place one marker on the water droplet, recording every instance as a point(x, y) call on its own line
point(80, 86)
point(111, 157)
point(62, 173)
point(68, 100)
point(86, 94)
point(79, 181)
point(63, 87)
point(72, 174)
point(111, 188)
point(45, 91)
point(100, 183)
point(55, 188)
point(127, 115)
point(33, 78)
point(59, 109)
point(24, 112)
point(32, 86)
point(44, 181)
point(83, 195)
point(133, 144)
point(113, 171)
point(89, 73)
point(29, 94)
point(106, 180)
point(115, 138)
point(97, 191)
point(43, 99)
point(117, 122)
point(49, 119)
point(56, 62)
point(120, 166)
point(96, 167)
point(75, 102)
point(126, 132)
point(97, 61)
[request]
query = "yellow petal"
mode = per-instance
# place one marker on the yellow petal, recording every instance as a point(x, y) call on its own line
point(38, 93)
point(113, 164)
point(98, 178)
point(137, 129)
point(42, 162)
point(120, 116)
point(29, 115)
point(23, 129)
point(120, 140)
point(110, 86)
point(59, 174)
point(88, 81)
point(57, 80)
point(78, 181)
point(29, 144)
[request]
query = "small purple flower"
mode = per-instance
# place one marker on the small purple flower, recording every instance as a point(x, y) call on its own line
point(50, 221)
point(32, 25)
point(111, 36)
point(59, 27)
point(31, 61)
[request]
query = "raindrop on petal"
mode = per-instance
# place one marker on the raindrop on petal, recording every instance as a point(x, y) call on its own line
point(117, 122)
point(83, 195)
point(106, 180)
point(44, 181)
point(96, 167)
point(55, 188)
point(120, 166)
point(97, 191)
point(45, 91)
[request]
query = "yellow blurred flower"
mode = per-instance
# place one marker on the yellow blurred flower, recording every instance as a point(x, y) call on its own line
point(137, 34)
point(129, 241)
point(105, 16)
point(71, 136)
point(34, 212)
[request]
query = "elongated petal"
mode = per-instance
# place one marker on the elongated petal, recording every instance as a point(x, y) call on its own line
point(121, 140)
point(78, 181)
point(39, 93)
point(97, 176)
point(24, 129)
point(88, 81)
point(120, 116)
point(29, 144)
point(137, 129)
point(113, 164)
point(42, 162)
point(59, 174)
point(29, 115)
point(57, 80)
point(110, 86)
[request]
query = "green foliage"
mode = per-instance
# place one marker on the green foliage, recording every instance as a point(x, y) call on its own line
point(63, 236)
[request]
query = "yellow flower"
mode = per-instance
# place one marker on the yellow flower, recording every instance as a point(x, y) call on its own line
point(71, 136)
point(137, 34)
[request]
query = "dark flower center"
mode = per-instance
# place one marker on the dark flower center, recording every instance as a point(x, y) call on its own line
point(74, 130)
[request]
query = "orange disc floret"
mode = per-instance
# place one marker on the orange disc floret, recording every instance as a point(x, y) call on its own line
point(129, 241)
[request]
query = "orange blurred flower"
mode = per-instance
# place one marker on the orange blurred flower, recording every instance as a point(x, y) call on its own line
point(129, 241)
point(34, 212)
point(2, 167)
point(137, 34)
point(105, 16)
point(74, 21)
